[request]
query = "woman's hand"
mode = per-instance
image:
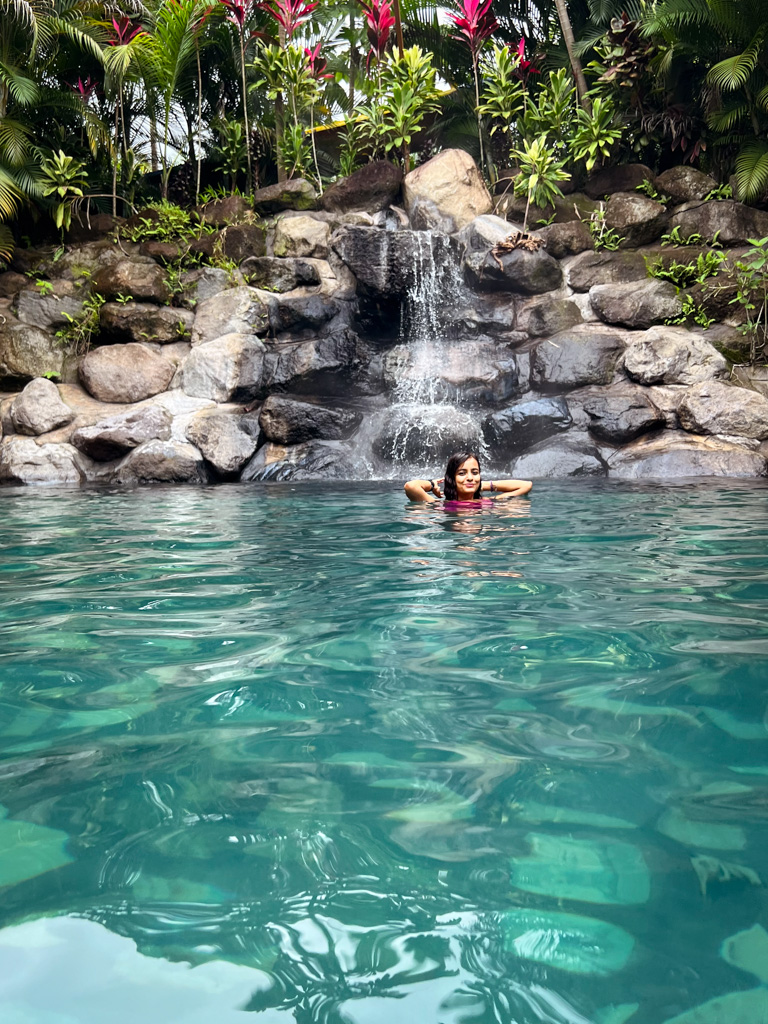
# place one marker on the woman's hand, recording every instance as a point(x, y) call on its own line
point(423, 490)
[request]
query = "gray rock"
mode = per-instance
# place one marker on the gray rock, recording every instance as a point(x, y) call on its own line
point(203, 283)
point(230, 368)
point(524, 424)
point(326, 460)
point(241, 241)
point(279, 275)
point(548, 316)
point(519, 271)
point(302, 236)
point(161, 462)
point(236, 311)
point(482, 233)
point(426, 215)
point(617, 178)
point(477, 370)
point(636, 218)
point(672, 355)
point(426, 434)
point(46, 311)
point(139, 277)
point(575, 359)
point(124, 373)
point(143, 321)
point(733, 223)
point(591, 268)
point(221, 438)
point(295, 194)
point(684, 183)
point(117, 435)
point(559, 457)
point(162, 252)
point(23, 461)
point(674, 455)
point(302, 312)
point(227, 210)
point(328, 364)
point(39, 408)
point(620, 413)
point(453, 183)
point(289, 421)
point(376, 186)
point(27, 352)
point(713, 407)
point(638, 304)
point(566, 239)
point(387, 263)
point(11, 284)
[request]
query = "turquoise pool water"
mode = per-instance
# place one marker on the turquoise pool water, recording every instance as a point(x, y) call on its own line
point(358, 762)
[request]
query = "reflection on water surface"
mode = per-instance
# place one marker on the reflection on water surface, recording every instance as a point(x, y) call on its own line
point(350, 758)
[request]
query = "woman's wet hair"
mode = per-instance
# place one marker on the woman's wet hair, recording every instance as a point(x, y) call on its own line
point(450, 490)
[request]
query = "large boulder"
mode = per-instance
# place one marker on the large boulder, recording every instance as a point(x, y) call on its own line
point(227, 369)
point(620, 413)
point(324, 460)
point(236, 311)
point(161, 462)
point(125, 373)
point(713, 407)
point(518, 271)
point(605, 267)
point(672, 355)
point(685, 183)
point(115, 436)
point(566, 239)
point(295, 194)
point(279, 275)
point(143, 321)
point(542, 317)
point(139, 277)
point(289, 421)
point(426, 434)
point(484, 232)
point(27, 352)
point(476, 370)
point(303, 312)
point(732, 222)
point(224, 439)
point(617, 178)
point(559, 457)
point(637, 304)
point(241, 241)
point(328, 364)
point(302, 236)
point(575, 358)
point(674, 455)
point(227, 210)
point(24, 461)
point(453, 183)
point(47, 311)
point(203, 283)
point(372, 188)
point(636, 218)
point(39, 408)
point(524, 424)
point(388, 263)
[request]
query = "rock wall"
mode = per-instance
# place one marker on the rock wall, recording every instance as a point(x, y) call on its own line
point(279, 368)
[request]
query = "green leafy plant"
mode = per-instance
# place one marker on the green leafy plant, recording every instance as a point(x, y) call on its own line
point(554, 114)
point(229, 152)
point(79, 330)
point(162, 222)
point(683, 275)
point(602, 236)
point(123, 299)
point(752, 293)
point(45, 287)
point(691, 312)
point(503, 96)
point(539, 174)
point(721, 192)
point(675, 237)
point(650, 190)
point(596, 133)
point(65, 178)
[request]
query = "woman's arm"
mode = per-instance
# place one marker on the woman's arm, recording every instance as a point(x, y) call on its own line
point(423, 490)
point(508, 488)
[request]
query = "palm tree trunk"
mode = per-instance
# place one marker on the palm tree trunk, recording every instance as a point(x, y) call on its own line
point(578, 72)
point(199, 119)
point(477, 111)
point(245, 112)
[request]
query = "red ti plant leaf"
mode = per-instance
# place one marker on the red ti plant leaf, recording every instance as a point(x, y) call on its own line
point(379, 22)
point(525, 67)
point(289, 13)
point(124, 32)
point(84, 89)
point(237, 12)
point(316, 63)
point(475, 23)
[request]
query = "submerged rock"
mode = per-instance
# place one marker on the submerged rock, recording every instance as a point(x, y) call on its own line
point(570, 942)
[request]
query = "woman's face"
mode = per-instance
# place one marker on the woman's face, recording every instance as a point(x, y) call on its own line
point(467, 479)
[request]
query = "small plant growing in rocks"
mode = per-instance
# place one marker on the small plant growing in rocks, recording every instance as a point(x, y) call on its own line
point(752, 294)
point(78, 332)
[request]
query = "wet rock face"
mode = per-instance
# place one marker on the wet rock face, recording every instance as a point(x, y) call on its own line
point(479, 371)
point(165, 462)
point(125, 373)
point(373, 188)
point(289, 421)
point(560, 457)
point(117, 435)
point(574, 359)
point(620, 414)
point(423, 434)
point(521, 272)
point(713, 407)
point(387, 263)
point(524, 424)
point(678, 456)
point(39, 409)
point(314, 460)
point(224, 438)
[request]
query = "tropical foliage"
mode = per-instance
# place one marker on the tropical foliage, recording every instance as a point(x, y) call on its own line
point(109, 106)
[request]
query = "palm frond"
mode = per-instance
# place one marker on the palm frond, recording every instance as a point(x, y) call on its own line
point(7, 243)
point(726, 118)
point(82, 36)
point(23, 89)
point(734, 72)
point(677, 14)
point(751, 170)
point(11, 194)
point(14, 142)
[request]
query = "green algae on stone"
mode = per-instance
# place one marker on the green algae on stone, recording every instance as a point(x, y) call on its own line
point(593, 871)
point(748, 950)
point(750, 1007)
point(579, 945)
point(28, 849)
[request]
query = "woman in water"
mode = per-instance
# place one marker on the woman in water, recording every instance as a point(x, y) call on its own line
point(462, 482)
